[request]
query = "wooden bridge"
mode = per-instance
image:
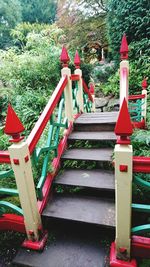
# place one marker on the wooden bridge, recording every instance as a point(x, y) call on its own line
point(86, 191)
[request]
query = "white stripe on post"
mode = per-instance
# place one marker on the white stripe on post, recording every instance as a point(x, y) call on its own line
point(124, 81)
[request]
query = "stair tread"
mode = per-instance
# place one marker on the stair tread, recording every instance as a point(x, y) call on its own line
point(98, 179)
point(97, 118)
point(93, 136)
point(84, 209)
point(97, 154)
point(67, 249)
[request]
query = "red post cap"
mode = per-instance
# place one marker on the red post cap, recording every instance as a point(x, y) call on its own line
point(77, 60)
point(124, 48)
point(92, 89)
point(123, 126)
point(13, 125)
point(144, 84)
point(64, 57)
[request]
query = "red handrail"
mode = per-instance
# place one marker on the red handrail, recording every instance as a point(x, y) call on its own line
point(86, 90)
point(135, 97)
point(141, 164)
point(36, 132)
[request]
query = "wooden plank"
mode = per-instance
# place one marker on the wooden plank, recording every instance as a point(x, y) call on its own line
point(83, 209)
point(73, 248)
point(96, 154)
point(93, 136)
point(97, 179)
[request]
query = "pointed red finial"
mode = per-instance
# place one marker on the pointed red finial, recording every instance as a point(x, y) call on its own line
point(64, 57)
point(124, 48)
point(123, 126)
point(77, 60)
point(13, 125)
point(144, 84)
point(92, 89)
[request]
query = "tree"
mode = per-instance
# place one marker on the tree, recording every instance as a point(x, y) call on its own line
point(132, 18)
point(10, 16)
point(39, 11)
point(86, 24)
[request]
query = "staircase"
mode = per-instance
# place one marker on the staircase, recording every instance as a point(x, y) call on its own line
point(81, 208)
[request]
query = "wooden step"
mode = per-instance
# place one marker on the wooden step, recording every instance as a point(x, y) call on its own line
point(83, 209)
point(96, 179)
point(96, 154)
point(93, 136)
point(68, 248)
point(104, 121)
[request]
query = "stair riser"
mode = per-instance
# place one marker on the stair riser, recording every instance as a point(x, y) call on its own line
point(94, 127)
point(48, 220)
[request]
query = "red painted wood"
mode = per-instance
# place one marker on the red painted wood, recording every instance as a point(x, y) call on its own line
point(36, 245)
point(124, 48)
point(64, 57)
point(141, 164)
point(141, 247)
point(12, 222)
point(56, 162)
point(144, 84)
point(77, 60)
point(114, 262)
point(86, 90)
point(75, 77)
point(135, 97)
point(13, 125)
point(124, 126)
point(139, 125)
point(4, 157)
point(35, 134)
point(92, 89)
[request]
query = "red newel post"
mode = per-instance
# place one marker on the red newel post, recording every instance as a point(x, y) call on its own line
point(120, 255)
point(124, 48)
point(64, 58)
point(13, 126)
point(123, 126)
point(77, 61)
point(144, 84)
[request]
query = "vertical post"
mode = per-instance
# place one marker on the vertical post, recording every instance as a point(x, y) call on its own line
point(123, 183)
point(124, 70)
point(21, 164)
point(68, 90)
point(144, 106)
point(78, 71)
point(92, 92)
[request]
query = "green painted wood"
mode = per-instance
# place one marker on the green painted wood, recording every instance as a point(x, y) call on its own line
point(8, 191)
point(141, 207)
point(141, 182)
point(141, 229)
point(6, 205)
